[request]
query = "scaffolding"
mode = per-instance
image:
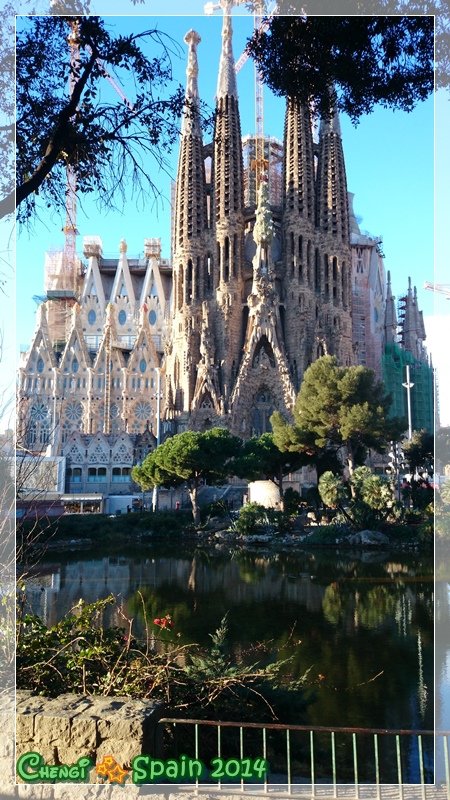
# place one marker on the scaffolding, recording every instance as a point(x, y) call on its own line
point(273, 159)
point(63, 277)
point(394, 362)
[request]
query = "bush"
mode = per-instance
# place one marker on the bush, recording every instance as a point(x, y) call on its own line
point(328, 534)
point(219, 508)
point(251, 517)
point(79, 655)
point(291, 501)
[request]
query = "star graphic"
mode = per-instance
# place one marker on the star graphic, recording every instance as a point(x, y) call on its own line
point(117, 774)
point(105, 766)
point(109, 768)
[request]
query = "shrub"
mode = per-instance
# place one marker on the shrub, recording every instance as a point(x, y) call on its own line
point(291, 501)
point(79, 655)
point(250, 518)
point(218, 508)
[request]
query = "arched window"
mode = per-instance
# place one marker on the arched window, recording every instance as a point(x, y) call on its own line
point(317, 270)
point(226, 259)
point(74, 474)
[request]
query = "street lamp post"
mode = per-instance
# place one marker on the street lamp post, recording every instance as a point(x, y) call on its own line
point(408, 386)
point(158, 430)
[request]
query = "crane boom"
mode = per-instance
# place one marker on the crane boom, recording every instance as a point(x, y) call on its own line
point(442, 288)
point(70, 227)
point(259, 163)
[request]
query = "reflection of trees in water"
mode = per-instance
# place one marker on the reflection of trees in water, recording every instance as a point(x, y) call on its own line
point(370, 608)
point(251, 569)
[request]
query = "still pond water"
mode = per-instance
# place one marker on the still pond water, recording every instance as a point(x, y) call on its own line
point(360, 625)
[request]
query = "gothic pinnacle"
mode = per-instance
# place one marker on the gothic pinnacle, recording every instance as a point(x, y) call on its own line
point(226, 84)
point(191, 121)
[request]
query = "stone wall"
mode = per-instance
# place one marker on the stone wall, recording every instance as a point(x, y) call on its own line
point(68, 727)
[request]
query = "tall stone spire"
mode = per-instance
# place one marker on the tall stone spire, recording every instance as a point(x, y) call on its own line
point(299, 233)
point(226, 82)
point(190, 219)
point(228, 166)
point(190, 245)
point(413, 330)
point(298, 162)
point(332, 199)
point(228, 215)
point(191, 121)
point(390, 317)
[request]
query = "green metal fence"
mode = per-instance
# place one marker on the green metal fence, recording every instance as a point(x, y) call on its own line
point(245, 755)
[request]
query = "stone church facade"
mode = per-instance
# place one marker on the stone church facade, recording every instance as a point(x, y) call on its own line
point(222, 334)
point(258, 292)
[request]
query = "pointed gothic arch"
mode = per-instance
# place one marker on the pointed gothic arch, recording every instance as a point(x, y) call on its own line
point(263, 355)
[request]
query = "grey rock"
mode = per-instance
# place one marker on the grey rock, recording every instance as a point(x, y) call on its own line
point(367, 537)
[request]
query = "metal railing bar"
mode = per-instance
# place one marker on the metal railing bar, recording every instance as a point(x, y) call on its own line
point(422, 774)
point(333, 762)
point(241, 752)
point(377, 765)
point(311, 740)
point(307, 728)
point(399, 767)
point(265, 757)
point(196, 749)
point(219, 782)
point(288, 759)
point(355, 765)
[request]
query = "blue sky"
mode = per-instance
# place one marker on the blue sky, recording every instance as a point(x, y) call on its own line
point(389, 160)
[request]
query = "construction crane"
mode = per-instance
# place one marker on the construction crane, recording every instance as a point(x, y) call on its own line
point(259, 163)
point(442, 288)
point(70, 227)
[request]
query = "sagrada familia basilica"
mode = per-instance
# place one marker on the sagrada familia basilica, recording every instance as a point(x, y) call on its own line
point(259, 285)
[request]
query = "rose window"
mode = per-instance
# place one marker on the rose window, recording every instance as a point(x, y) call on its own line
point(74, 411)
point(38, 412)
point(143, 410)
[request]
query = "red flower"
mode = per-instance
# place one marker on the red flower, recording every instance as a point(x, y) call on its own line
point(164, 622)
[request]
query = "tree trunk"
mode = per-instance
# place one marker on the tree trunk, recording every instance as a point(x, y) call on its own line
point(195, 506)
point(351, 467)
point(280, 489)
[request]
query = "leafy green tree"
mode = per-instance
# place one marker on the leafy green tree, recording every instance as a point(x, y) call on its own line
point(261, 459)
point(351, 63)
point(339, 410)
point(110, 144)
point(419, 452)
point(192, 458)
